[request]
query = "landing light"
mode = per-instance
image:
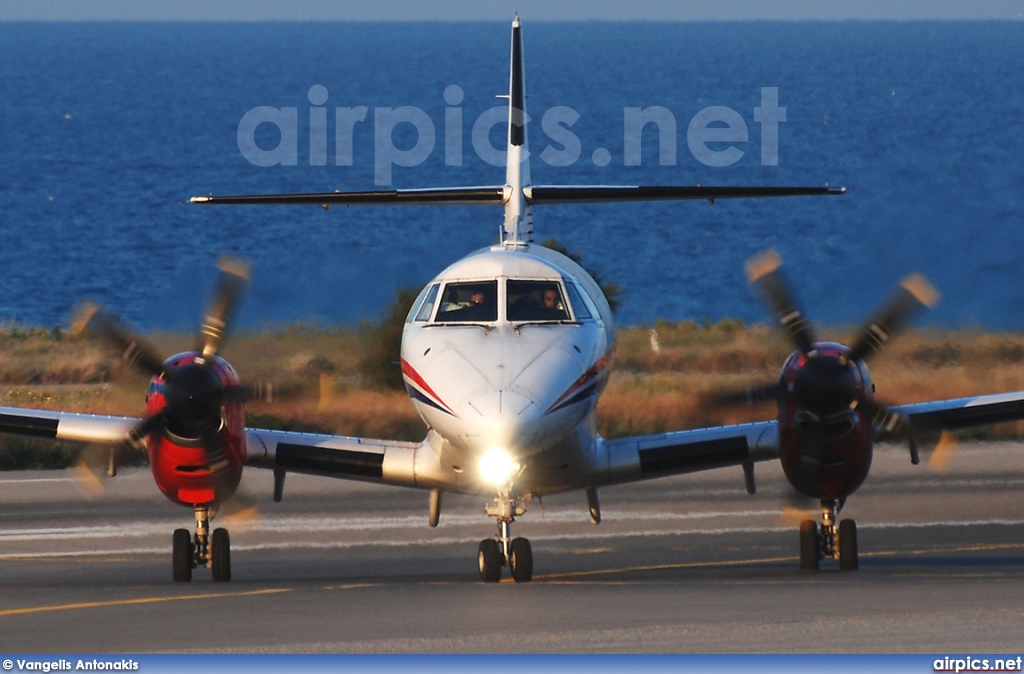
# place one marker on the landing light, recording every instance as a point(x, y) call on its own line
point(498, 467)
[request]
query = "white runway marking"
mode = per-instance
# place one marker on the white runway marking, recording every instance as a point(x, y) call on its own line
point(589, 534)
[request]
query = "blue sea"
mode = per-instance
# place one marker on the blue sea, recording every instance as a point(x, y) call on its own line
point(106, 130)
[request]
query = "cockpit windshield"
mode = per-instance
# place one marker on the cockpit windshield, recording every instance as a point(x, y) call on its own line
point(475, 302)
point(535, 301)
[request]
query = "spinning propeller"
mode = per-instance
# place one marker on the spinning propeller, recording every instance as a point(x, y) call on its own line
point(826, 385)
point(192, 391)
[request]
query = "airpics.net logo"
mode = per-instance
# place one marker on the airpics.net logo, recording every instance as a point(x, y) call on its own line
point(960, 664)
point(713, 135)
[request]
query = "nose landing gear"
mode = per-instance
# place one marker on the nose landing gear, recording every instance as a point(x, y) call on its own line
point(503, 550)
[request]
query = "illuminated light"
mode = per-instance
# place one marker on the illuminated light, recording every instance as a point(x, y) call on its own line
point(498, 467)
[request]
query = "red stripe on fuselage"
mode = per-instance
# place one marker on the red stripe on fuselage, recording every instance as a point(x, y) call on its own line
point(592, 373)
point(412, 374)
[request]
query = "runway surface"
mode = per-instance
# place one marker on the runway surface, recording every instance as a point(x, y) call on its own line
point(688, 564)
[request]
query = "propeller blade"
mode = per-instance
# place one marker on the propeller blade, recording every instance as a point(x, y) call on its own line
point(764, 272)
point(750, 395)
point(265, 392)
point(240, 510)
point(892, 423)
point(942, 456)
point(92, 318)
point(797, 508)
point(91, 461)
point(149, 425)
point(86, 477)
point(231, 282)
point(913, 293)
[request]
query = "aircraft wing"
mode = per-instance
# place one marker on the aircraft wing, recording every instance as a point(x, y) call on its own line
point(327, 455)
point(90, 428)
point(624, 459)
point(387, 461)
point(650, 456)
point(959, 413)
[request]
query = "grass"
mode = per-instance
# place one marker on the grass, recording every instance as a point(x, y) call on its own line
point(659, 377)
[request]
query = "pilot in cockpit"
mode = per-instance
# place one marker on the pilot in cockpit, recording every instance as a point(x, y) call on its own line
point(464, 302)
point(550, 300)
point(535, 301)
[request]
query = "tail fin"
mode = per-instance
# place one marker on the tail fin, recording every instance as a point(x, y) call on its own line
point(517, 195)
point(518, 215)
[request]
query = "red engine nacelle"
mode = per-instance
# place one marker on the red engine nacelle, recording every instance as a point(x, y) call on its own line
point(186, 471)
point(824, 455)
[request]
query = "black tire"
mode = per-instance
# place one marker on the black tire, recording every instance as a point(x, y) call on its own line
point(489, 560)
point(221, 555)
point(182, 556)
point(520, 560)
point(810, 549)
point(848, 546)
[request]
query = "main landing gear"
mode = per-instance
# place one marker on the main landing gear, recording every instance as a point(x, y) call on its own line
point(817, 544)
point(515, 553)
point(202, 550)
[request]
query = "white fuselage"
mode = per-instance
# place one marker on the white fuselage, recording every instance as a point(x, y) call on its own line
point(504, 355)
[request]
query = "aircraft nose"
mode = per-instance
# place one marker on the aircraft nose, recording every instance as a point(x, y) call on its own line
point(503, 419)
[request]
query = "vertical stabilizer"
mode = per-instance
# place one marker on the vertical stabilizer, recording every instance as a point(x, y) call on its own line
point(518, 216)
point(518, 195)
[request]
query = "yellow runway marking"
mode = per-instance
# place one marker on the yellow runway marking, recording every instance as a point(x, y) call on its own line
point(773, 560)
point(974, 547)
point(17, 559)
point(351, 586)
point(665, 567)
point(133, 602)
point(554, 578)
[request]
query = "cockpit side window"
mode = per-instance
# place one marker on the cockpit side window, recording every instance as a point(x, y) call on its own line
point(583, 312)
point(475, 302)
point(535, 301)
point(424, 305)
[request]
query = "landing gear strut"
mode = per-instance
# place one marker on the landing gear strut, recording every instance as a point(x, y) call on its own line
point(503, 550)
point(200, 550)
point(816, 544)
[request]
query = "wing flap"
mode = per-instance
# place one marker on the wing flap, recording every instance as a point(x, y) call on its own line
point(650, 456)
point(960, 413)
point(350, 458)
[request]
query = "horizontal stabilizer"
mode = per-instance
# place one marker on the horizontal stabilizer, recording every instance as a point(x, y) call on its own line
point(542, 194)
point(487, 196)
point(574, 194)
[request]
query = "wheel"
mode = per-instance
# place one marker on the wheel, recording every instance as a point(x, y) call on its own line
point(848, 545)
point(221, 555)
point(182, 556)
point(488, 558)
point(520, 560)
point(809, 548)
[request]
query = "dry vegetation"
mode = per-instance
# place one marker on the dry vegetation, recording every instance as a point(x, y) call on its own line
point(655, 391)
point(657, 384)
